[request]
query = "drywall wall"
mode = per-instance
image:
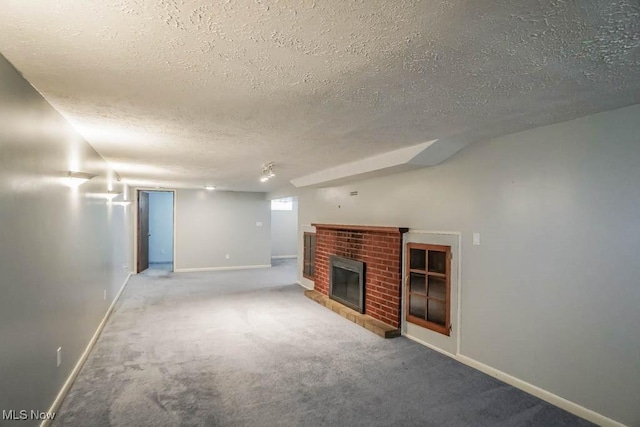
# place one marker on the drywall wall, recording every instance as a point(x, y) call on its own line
point(60, 249)
point(551, 295)
point(213, 224)
point(160, 226)
point(284, 232)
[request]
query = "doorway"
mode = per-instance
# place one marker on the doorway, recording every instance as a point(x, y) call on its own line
point(155, 230)
point(284, 230)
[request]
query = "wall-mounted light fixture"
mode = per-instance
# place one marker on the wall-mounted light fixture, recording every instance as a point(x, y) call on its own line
point(110, 195)
point(209, 187)
point(267, 172)
point(76, 179)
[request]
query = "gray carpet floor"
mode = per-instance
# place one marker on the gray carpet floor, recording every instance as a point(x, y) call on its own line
point(240, 348)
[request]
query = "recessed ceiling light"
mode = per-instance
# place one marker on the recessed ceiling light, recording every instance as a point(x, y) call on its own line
point(209, 187)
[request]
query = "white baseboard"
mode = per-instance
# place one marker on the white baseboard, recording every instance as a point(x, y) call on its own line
point(284, 256)
point(83, 358)
point(536, 391)
point(545, 395)
point(306, 287)
point(431, 346)
point(234, 267)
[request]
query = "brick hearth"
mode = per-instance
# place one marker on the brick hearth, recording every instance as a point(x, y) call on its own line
point(380, 248)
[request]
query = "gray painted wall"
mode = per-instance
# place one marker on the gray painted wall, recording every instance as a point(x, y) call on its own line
point(284, 231)
point(551, 295)
point(160, 226)
point(212, 224)
point(59, 248)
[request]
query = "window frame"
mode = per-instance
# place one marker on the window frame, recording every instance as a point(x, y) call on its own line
point(308, 262)
point(436, 327)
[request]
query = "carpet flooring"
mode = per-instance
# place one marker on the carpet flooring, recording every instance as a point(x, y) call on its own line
point(241, 348)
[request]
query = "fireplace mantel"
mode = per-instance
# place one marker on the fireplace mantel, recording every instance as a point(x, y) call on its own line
point(370, 228)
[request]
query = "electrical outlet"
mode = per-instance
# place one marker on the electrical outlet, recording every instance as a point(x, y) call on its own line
point(58, 357)
point(105, 294)
point(227, 256)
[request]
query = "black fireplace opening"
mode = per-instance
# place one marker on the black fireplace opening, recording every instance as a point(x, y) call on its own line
point(346, 282)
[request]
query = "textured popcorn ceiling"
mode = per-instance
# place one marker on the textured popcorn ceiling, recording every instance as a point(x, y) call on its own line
point(183, 93)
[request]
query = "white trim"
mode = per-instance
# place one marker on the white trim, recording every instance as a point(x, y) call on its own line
point(284, 256)
point(175, 222)
point(306, 287)
point(545, 395)
point(431, 346)
point(233, 267)
point(308, 228)
point(83, 358)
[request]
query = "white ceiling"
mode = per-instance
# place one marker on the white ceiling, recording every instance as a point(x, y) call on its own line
point(183, 93)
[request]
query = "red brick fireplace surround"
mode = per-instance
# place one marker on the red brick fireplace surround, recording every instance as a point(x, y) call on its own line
point(380, 248)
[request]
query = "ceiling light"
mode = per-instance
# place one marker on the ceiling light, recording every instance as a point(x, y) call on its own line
point(209, 187)
point(267, 172)
point(122, 203)
point(76, 179)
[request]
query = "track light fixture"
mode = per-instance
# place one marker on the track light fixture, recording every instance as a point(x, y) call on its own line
point(267, 172)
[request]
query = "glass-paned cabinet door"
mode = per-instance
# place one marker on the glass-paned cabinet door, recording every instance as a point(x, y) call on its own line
point(427, 287)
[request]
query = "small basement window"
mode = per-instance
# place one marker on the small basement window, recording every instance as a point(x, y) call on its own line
point(285, 204)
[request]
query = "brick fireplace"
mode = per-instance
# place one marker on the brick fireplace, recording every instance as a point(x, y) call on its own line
point(380, 249)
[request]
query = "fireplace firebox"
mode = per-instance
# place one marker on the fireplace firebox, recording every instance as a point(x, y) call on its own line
point(346, 282)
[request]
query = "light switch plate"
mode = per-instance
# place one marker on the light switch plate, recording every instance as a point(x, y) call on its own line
point(476, 239)
point(59, 357)
point(259, 224)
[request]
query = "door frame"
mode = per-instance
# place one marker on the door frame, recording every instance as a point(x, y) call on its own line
point(135, 222)
point(457, 260)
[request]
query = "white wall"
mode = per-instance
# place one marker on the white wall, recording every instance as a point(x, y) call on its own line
point(551, 296)
point(60, 249)
point(284, 232)
point(212, 224)
point(160, 226)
